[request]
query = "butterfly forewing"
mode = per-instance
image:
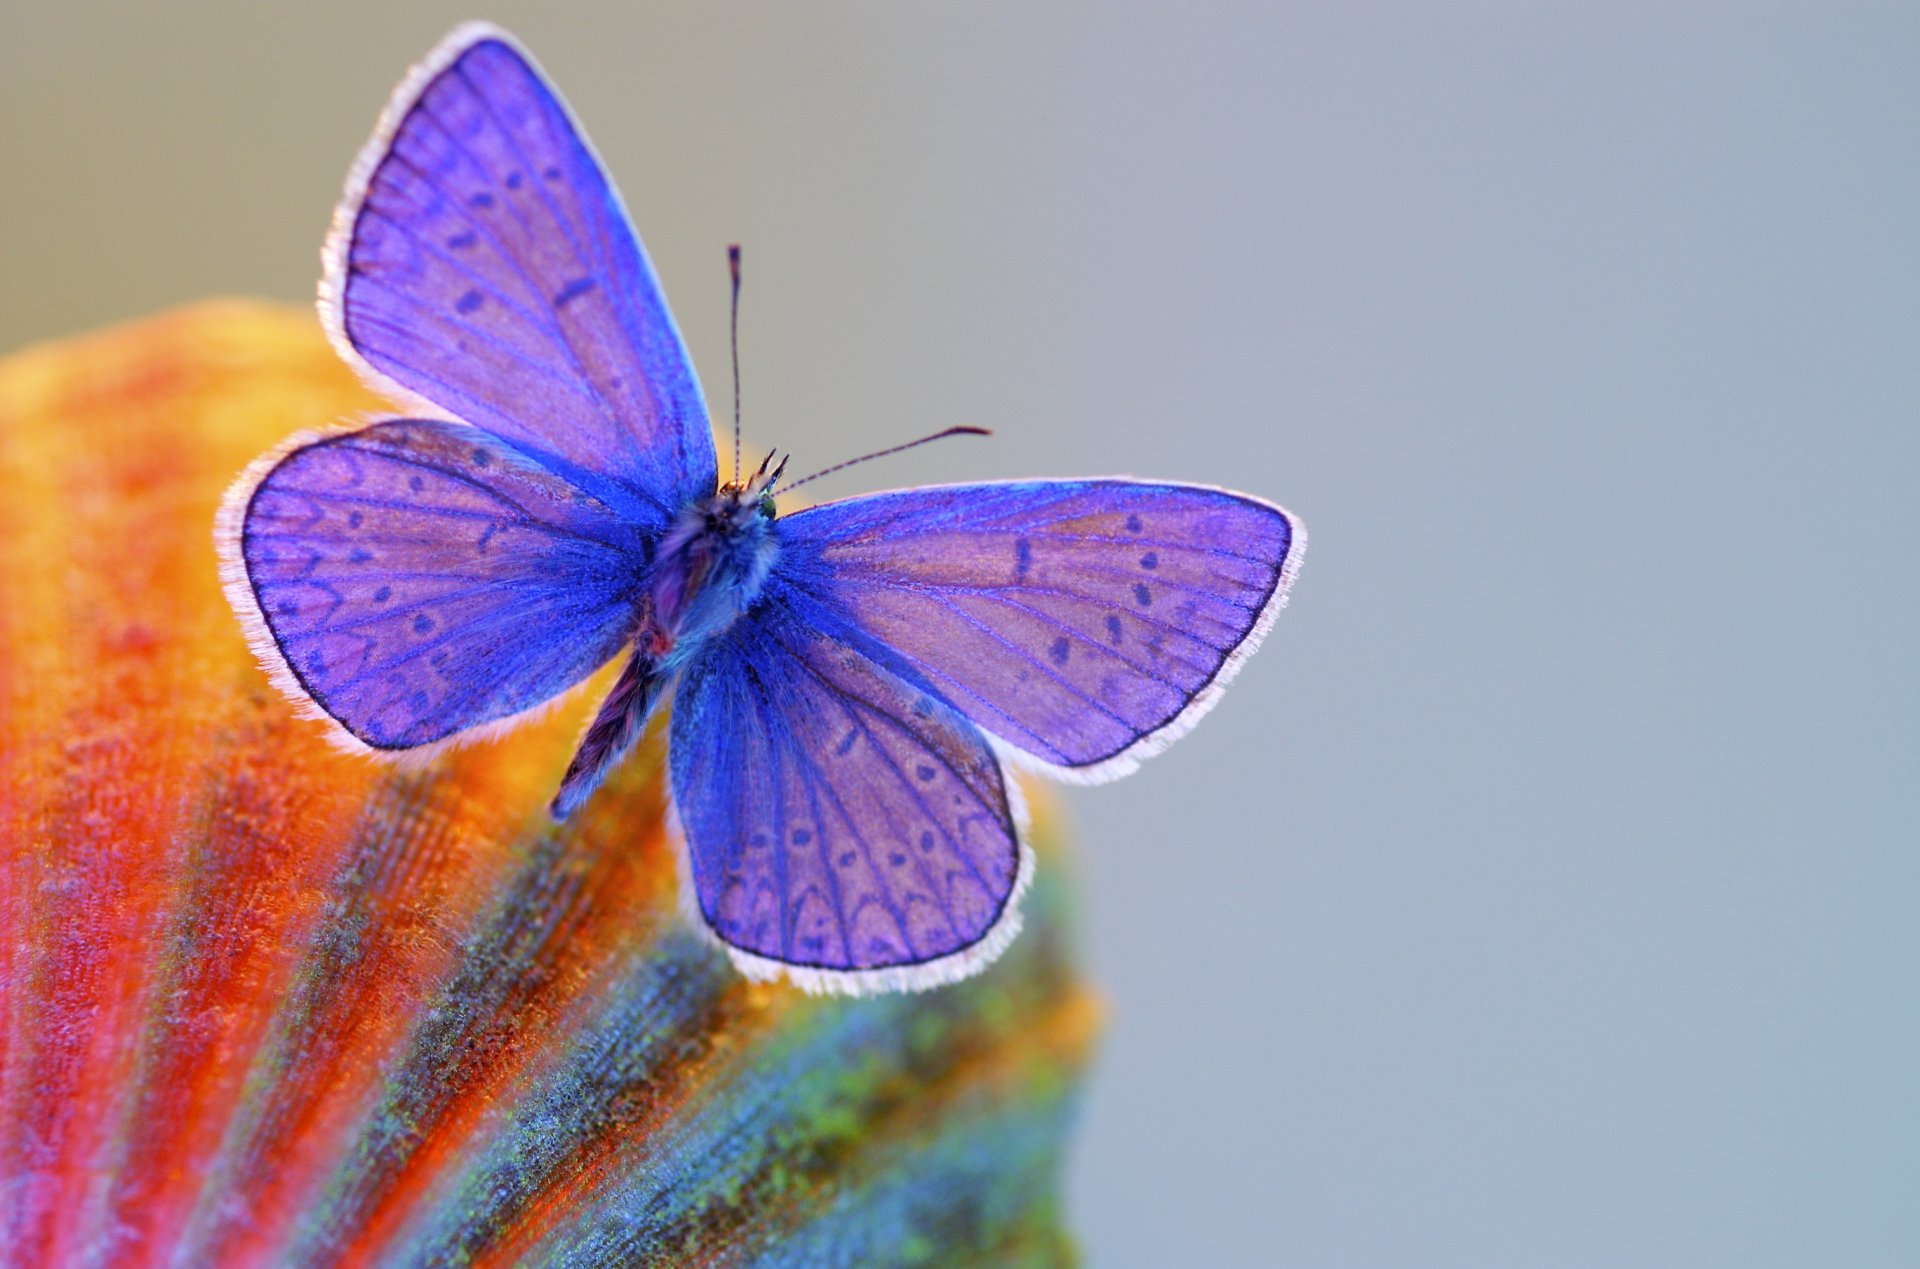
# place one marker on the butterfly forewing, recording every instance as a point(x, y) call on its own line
point(487, 266)
point(839, 817)
point(1076, 620)
point(419, 578)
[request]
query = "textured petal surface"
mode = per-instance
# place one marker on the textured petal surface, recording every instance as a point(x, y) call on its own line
point(1073, 619)
point(264, 1003)
point(838, 817)
point(489, 268)
point(420, 578)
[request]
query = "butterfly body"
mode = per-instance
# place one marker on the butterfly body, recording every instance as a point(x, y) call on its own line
point(708, 571)
point(849, 682)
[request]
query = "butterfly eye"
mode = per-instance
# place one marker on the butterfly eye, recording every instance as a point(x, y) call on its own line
point(766, 506)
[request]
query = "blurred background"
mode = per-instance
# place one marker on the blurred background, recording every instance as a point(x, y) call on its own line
point(1544, 893)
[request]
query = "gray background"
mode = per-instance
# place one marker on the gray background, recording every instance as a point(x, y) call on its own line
point(1544, 893)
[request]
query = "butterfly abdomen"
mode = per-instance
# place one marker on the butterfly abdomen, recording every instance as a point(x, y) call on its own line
point(621, 720)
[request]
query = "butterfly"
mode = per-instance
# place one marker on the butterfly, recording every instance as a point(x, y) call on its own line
point(849, 682)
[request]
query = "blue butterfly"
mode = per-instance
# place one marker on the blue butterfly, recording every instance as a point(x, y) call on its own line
point(847, 680)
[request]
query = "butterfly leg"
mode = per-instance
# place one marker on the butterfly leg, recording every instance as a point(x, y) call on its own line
point(622, 717)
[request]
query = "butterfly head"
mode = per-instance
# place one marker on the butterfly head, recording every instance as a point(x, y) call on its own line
point(737, 504)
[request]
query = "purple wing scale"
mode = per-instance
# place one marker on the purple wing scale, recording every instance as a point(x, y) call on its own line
point(1084, 623)
point(482, 262)
point(417, 579)
point(843, 824)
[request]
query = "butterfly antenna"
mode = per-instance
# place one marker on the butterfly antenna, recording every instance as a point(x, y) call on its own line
point(733, 331)
point(952, 431)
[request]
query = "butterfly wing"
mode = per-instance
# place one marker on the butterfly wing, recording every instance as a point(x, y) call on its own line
point(843, 824)
point(481, 262)
point(1085, 623)
point(417, 578)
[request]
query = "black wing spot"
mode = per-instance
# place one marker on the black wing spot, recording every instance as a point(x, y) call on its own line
point(1133, 524)
point(552, 173)
point(482, 201)
point(896, 859)
point(1058, 652)
point(463, 241)
point(470, 302)
point(845, 746)
point(846, 860)
point(513, 180)
point(382, 595)
point(1150, 560)
point(1113, 630)
point(416, 484)
point(1022, 558)
point(354, 519)
point(422, 624)
point(1141, 594)
point(924, 771)
point(573, 291)
point(481, 458)
point(801, 837)
point(359, 555)
point(926, 841)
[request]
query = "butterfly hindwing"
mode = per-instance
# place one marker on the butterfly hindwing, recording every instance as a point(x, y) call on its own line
point(1082, 622)
point(416, 579)
point(843, 824)
point(481, 261)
